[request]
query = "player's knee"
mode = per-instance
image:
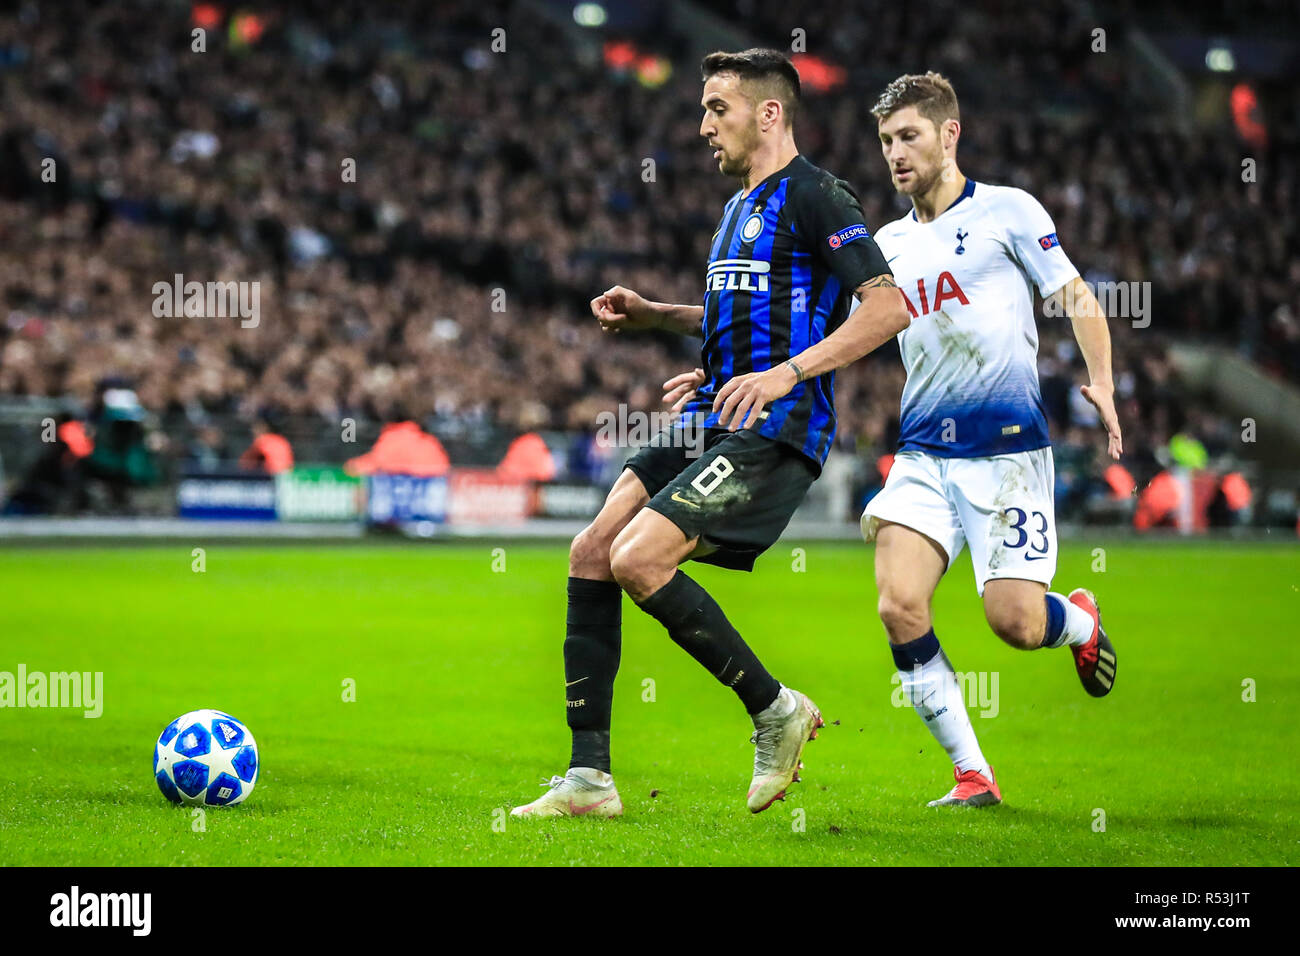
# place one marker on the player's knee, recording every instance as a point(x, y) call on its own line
point(905, 618)
point(1015, 628)
point(639, 567)
point(629, 568)
point(589, 554)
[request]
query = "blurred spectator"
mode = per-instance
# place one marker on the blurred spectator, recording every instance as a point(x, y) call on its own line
point(1160, 502)
point(1231, 503)
point(123, 456)
point(269, 451)
point(402, 448)
point(527, 459)
point(207, 450)
point(53, 480)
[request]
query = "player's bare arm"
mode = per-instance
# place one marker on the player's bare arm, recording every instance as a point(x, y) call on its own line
point(1093, 336)
point(621, 310)
point(881, 315)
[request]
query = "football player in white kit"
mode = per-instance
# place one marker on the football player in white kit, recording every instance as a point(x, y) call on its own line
point(974, 466)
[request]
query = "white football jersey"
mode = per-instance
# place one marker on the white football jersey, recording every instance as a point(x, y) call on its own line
point(971, 352)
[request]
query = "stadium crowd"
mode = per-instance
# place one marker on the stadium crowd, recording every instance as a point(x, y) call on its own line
point(496, 192)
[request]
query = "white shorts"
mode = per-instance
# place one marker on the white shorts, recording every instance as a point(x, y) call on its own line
point(1002, 506)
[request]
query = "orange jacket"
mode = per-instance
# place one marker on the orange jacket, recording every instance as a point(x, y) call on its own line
point(270, 452)
point(402, 448)
point(73, 434)
point(1158, 502)
point(1119, 481)
point(884, 464)
point(1236, 490)
point(527, 459)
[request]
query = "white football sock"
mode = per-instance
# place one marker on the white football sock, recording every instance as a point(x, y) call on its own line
point(783, 706)
point(598, 777)
point(1078, 622)
point(936, 695)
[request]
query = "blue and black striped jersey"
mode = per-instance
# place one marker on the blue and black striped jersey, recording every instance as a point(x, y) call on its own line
point(783, 266)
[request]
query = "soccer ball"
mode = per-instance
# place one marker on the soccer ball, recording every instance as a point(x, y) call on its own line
point(206, 757)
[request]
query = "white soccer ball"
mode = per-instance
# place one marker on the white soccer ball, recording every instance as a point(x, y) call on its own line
point(206, 757)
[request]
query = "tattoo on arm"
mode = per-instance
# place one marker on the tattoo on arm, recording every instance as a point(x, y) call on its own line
point(885, 281)
point(798, 372)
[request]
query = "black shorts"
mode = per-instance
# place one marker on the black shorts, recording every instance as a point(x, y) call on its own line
point(737, 495)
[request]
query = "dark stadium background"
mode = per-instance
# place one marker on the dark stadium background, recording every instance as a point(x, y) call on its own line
point(497, 190)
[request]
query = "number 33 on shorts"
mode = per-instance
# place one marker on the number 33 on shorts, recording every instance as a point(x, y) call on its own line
point(1020, 535)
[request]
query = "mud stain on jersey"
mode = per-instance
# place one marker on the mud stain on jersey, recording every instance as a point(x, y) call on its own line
point(961, 345)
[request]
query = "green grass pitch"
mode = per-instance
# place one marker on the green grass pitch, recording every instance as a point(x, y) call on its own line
point(459, 716)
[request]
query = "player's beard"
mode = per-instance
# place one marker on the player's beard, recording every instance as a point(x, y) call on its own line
point(924, 186)
point(736, 163)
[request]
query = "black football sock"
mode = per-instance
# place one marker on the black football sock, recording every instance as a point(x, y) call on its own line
point(592, 643)
point(695, 622)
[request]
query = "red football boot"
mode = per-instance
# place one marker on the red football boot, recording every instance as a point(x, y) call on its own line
point(1095, 661)
point(973, 790)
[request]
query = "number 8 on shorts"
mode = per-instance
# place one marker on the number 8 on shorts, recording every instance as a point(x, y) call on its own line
point(711, 477)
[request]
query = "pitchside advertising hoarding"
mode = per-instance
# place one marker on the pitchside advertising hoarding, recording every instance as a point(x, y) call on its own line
point(467, 496)
point(226, 495)
point(301, 494)
point(318, 494)
point(397, 498)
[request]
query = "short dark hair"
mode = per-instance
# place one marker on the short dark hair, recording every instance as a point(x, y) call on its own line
point(768, 74)
point(930, 93)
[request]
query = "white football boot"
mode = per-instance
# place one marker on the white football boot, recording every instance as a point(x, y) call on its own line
point(780, 733)
point(580, 792)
